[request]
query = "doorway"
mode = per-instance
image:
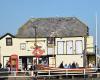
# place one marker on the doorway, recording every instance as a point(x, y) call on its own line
point(91, 59)
point(24, 63)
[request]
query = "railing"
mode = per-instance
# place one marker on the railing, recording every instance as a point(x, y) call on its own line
point(50, 73)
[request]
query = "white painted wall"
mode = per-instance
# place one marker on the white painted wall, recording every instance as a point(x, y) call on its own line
point(73, 44)
point(69, 59)
point(29, 44)
point(15, 48)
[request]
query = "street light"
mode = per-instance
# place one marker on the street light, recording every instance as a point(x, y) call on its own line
point(35, 44)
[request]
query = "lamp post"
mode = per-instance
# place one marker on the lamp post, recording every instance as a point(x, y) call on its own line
point(35, 44)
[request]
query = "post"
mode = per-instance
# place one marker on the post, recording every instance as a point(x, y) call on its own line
point(35, 44)
point(0, 55)
point(84, 74)
point(85, 52)
point(96, 51)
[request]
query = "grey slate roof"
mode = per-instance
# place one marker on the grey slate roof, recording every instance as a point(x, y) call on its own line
point(53, 27)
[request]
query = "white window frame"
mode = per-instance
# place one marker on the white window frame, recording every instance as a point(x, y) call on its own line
point(60, 47)
point(78, 47)
point(50, 50)
point(22, 46)
point(69, 47)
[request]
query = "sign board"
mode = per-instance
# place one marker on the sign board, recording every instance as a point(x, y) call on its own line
point(38, 52)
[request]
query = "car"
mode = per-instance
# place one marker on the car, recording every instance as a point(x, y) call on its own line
point(3, 72)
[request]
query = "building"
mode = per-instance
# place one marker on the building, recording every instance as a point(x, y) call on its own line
point(51, 50)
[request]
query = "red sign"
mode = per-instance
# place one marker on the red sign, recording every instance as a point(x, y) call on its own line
point(38, 52)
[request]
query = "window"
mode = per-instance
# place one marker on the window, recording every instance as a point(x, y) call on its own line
point(30, 60)
point(69, 45)
point(50, 50)
point(79, 47)
point(51, 40)
point(60, 47)
point(22, 46)
point(8, 41)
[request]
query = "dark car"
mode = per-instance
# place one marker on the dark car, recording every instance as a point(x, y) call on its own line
point(3, 73)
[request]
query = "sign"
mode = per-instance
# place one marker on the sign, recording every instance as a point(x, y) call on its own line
point(38, 52)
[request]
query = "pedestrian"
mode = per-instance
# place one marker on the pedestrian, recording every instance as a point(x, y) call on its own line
point(65, 66)
point(73, 65)
point(0, 65)
point(31, 68)
point(8, 66)
point(24, 66)
point(77, 65)
point(61, 65)
point(69, 66)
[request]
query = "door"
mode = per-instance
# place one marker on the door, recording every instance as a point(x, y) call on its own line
point(24, 63)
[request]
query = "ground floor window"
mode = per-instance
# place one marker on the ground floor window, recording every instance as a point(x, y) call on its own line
point(26, 62)
point(5, 60)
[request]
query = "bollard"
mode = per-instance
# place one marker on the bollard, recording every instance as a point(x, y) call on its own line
point(14, 73)
point(72, 77)
point(84, 74)
point(33, 76)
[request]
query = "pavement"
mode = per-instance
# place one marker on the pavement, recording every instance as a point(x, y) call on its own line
point(21, 77)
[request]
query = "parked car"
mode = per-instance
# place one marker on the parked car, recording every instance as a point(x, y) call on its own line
point(3, 72)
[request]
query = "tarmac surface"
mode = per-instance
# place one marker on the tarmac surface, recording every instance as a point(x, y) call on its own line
point(50, 79)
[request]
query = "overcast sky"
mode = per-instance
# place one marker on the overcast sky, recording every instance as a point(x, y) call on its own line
point(14, 13)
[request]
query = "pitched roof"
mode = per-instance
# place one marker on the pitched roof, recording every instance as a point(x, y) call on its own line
point(53, 27)
point(6, 35)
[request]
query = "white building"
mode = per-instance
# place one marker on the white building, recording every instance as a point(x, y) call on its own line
point(54, 50)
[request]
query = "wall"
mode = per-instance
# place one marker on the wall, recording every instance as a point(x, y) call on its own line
point(73, 39)
point(69, 59)
point(90, 45)
point(16, 48)
point(42, 42)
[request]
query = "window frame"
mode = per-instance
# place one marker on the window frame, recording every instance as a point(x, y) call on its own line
point(76, 46)
point(21, 45)
point(51, 40)
point(57, 48)
point(67, 46)
point(9, 43)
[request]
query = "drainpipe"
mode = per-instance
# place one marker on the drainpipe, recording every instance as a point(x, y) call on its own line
point(0, 54)
point(85, 52)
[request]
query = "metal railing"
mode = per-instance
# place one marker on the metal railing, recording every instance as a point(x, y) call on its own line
point(51, 73)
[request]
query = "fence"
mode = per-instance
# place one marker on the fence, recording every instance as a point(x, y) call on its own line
point(52, 74)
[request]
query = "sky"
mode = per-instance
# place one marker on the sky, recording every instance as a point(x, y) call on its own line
point(15, 13)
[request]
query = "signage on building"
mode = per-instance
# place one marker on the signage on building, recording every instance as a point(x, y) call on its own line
point(38, 51)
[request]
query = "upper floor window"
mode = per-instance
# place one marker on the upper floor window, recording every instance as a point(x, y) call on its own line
point(69, 45)
point(22, 46)
point(8, 41)
point(51, 40)
point(79, 46)
point(60, 47)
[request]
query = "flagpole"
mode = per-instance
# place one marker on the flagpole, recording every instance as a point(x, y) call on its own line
point(96, 38)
